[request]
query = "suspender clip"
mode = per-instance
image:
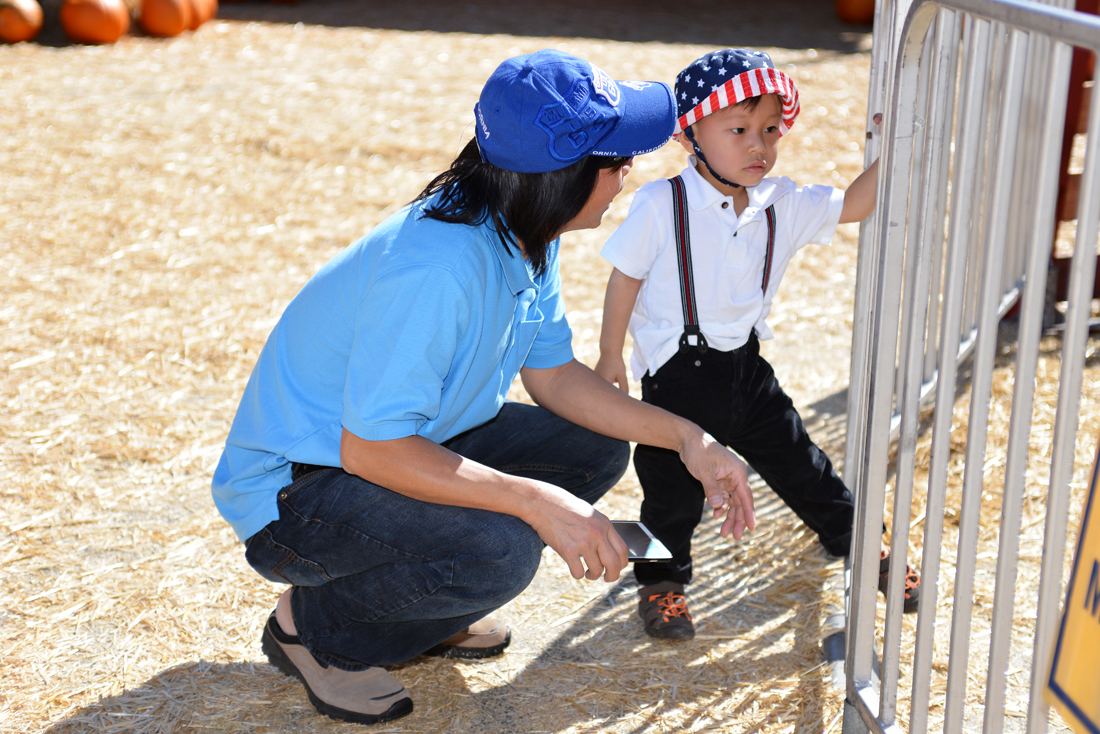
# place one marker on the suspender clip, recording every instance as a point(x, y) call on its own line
point(692, 330)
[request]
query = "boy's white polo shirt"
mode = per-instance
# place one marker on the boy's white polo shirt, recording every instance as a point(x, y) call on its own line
point(727, 259)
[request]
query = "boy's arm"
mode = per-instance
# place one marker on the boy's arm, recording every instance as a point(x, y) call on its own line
point(618, 303)
point(859, 198)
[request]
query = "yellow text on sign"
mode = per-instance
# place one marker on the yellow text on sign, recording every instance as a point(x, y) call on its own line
point(1074, 684)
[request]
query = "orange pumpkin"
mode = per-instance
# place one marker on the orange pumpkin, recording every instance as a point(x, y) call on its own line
point(95, 21)
point(20, 20)
point(202, 11)
point(859, 12)
point(165, 17)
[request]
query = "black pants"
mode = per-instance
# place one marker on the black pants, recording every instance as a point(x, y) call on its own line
point(734, 397)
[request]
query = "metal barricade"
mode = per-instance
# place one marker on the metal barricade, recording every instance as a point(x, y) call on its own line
point(974, 96)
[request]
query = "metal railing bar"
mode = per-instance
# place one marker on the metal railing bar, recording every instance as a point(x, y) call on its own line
point(947, 44)
point(947, 371)
point(1000, 190)
point(885, 14)
point(977, 276)
point(979, 200)
point(917, 174)
point(1023, 398)
point(918, 278)
point(1062, 24)
point(1015, 237)
point(884, 284)
point(918, 169)
point(1075, 336)
point(869, 712)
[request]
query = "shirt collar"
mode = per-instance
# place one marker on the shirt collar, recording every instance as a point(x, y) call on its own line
point(702, 195)
point(516, 268)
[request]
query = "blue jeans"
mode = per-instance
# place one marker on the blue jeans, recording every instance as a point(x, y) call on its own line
point(379, 577)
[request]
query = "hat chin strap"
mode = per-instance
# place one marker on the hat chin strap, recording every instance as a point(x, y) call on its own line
point(703, 158)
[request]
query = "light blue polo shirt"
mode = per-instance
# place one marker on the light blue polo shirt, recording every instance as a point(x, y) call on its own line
point(419, 328)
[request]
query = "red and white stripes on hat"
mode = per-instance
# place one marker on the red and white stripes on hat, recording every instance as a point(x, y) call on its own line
point(762, 79)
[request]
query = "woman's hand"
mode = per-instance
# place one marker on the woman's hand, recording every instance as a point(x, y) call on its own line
point(725, 481)
point(580, 534)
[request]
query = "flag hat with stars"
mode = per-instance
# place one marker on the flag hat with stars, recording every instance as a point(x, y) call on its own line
point(724, 78)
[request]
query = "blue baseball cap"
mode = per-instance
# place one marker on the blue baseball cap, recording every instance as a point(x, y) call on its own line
point(547, 110)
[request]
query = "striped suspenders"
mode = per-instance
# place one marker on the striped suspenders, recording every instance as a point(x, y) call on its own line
point(683, 260)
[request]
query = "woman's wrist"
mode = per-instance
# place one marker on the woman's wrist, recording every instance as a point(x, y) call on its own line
point(687, 434)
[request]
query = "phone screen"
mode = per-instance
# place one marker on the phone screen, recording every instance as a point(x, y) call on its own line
point(640, 542)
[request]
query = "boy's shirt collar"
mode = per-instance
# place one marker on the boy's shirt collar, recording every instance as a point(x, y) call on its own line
point(702, 194)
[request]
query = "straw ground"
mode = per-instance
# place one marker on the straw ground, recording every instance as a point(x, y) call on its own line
point(161, 201)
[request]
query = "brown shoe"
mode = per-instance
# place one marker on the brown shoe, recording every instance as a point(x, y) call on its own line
point(912, 583)
point(664, 610)
point(361, 696)
point(482, 639)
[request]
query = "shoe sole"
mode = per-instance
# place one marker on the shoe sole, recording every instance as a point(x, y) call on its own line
point(678, 633)
point(456, 652)
point(279, 659)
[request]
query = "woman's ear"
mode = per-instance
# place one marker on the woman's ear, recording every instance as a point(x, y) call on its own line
point(684, 143)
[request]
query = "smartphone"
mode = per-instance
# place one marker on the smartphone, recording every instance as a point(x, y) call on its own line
point(640, 542)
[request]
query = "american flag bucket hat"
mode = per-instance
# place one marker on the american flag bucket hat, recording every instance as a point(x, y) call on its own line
point(724, 78)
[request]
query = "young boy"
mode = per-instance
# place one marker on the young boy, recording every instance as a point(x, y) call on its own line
point(697, 265)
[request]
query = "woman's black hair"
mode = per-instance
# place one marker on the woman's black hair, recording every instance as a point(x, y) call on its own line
point(525, 208)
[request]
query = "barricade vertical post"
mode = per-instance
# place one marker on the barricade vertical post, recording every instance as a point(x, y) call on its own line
point(918, 279)
point(947, 45)
point(1031, 323)
point(981, 390)
point(1082, 275)
point(884, 286)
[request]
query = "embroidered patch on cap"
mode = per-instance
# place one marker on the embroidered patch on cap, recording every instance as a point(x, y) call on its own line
point(575, 121)
point(605, 86)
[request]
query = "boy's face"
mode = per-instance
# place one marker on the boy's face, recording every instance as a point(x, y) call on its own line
point(741, 144)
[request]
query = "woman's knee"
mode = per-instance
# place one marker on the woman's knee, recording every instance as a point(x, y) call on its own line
point(509, 552)
point(612, 457)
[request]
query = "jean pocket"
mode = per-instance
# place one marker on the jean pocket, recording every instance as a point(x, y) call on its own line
point(303, 494)
point(276, 562)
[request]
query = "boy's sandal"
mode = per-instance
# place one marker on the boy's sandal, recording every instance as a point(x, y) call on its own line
point(912, 582)
point(482, 639)
point(664, 610)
